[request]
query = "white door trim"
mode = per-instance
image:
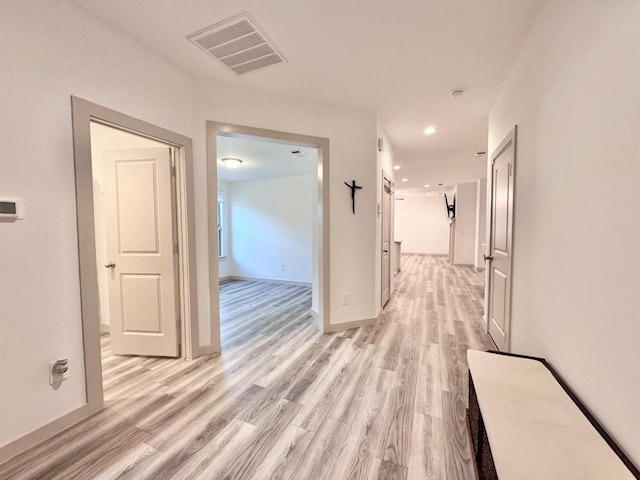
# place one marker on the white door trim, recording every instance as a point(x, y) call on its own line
point(322, 144)
point(509, 140)
point(83, 113)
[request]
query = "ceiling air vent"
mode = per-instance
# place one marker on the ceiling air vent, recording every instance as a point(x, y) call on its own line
point(239, 43)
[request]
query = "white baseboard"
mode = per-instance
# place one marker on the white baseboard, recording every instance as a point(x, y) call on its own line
point(339, 327)
point(269, 280)
point(43, 433)
point(314, 314)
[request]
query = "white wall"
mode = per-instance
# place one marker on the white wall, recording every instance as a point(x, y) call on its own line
point(465, 242)
point(271, 225)
point(481, 221)
point(53, 50)
point(421, 223)
point(573, 92)
point(104, 139)
point(352, 137)
point(56, 50)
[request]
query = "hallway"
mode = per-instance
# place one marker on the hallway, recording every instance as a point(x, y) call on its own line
point(386, 401)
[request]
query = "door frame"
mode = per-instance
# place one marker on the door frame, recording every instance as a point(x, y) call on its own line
point(322, 144)
point(83, 112)
point(386, 176)
point(509, 139)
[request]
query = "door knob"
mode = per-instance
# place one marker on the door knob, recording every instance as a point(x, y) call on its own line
point(110, 265)
point(488, 257)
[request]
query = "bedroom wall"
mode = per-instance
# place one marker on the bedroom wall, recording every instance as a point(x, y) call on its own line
point(271, 226)
point(573, 92)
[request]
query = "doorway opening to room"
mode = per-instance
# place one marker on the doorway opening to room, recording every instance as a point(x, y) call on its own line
point(269, 235)
point(137, 255)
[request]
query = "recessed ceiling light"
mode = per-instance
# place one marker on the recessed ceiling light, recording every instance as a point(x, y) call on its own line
point(405, 179)
point(231, 162)
point(457, 93)
point(396, 167)
point(427, 186)
point(428, 194)
point(430, 130)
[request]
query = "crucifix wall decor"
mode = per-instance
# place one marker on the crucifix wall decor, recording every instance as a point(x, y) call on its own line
point(353, 188)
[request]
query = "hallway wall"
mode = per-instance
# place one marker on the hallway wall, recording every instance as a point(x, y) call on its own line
point(573, 92)
point(421, 224)
point(58, 50)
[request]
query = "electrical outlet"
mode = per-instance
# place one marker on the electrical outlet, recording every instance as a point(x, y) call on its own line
point(58, 370)
point(282, 267)
point(345, 299)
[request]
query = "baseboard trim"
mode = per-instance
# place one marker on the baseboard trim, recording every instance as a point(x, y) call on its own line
point(42, 434)
point(269, 280)
point(314, 314)
point(339, 327)
point(206, 350)
point(426, 254)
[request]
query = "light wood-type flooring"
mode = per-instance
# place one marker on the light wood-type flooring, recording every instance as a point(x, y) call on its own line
point(284, 402)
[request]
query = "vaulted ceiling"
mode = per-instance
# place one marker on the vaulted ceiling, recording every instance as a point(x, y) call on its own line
point(400, 59)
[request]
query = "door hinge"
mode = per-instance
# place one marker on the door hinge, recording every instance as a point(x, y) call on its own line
point(173, 171)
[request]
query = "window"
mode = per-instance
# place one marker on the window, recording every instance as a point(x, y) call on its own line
point(221, 226)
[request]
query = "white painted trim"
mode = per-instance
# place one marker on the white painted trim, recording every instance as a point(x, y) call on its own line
point(41, 434)
point(105, 328)
point(339, 327)
point(268, 280)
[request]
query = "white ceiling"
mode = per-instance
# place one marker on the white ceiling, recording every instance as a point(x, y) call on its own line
point(397, 58)
point(263, 159)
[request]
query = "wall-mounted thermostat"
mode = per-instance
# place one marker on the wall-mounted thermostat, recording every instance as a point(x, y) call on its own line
point(11, 209)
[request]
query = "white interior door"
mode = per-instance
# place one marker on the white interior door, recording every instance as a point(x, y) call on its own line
point(500, 244)
point(386, 240)
point(140, 252)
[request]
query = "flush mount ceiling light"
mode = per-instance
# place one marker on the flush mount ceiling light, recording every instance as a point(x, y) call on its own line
point(457, 93)
point(230, 162)
point(430, 130)
point(405, 179)
point(396, 167)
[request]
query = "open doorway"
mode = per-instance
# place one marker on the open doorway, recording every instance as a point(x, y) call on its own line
point(135, 239)
point(136, 242)
point(266, 206)
point(268, 228)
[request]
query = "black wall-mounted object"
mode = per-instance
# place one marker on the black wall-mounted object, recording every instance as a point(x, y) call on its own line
point(353, 188)
point(451, 209)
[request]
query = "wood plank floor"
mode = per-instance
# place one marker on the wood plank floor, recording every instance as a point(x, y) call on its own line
point(284, 402)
